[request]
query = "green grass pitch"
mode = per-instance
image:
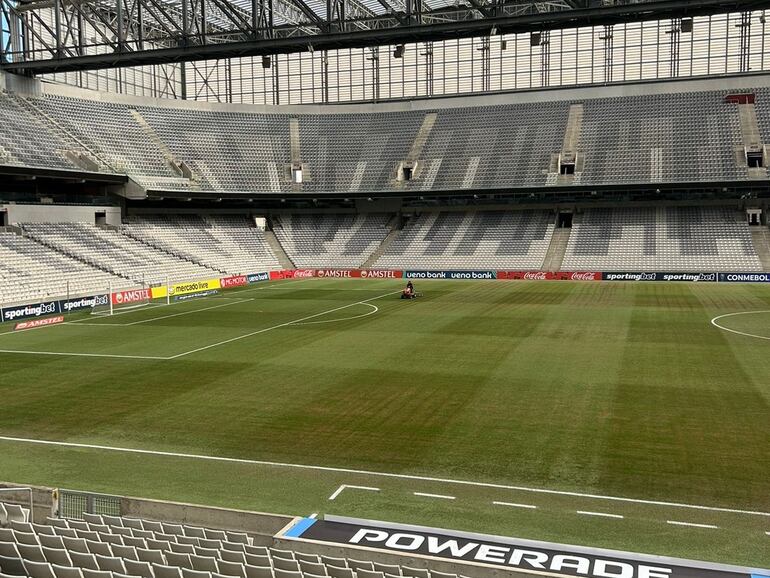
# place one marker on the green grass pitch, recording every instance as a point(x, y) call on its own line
point(591, 390)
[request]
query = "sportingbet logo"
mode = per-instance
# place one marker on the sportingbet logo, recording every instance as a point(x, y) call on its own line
point(37, 310)
point(629, 276)
point(505, 555)
point(84, 303)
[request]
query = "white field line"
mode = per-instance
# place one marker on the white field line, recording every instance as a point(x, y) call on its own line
point(107, 355)
point(513, 505)
point(372, 473)
point(231, 301)
point(438, 496)
point(767, 533)
point(286, 324)
point(344, 487)
point(229, 304)
point(718, 317)
point(600, 514)
point(374, 310)
point(65, 354)
point(691, 525)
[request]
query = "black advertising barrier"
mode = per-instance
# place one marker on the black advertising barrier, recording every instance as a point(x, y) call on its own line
point(20, 312)
point(507, 553)
point(744, 277)
point(657, 276)
point(45, 308)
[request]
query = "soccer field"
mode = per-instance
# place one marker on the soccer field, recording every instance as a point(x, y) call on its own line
point(606, 414)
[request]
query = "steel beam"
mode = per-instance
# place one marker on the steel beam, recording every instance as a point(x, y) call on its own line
point(448, 23)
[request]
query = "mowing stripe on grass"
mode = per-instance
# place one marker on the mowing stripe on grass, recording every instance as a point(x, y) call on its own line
point(381, 474)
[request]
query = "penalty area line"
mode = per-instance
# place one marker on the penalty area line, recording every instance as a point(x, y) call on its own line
point(221, 459)
point(280, 325)
point(344, 487)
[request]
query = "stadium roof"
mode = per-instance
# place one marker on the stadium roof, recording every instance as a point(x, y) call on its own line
point(143, 32)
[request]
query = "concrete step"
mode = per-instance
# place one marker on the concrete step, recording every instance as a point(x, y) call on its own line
point(760, 236)
point(369, 263)
point(278, 251)
point(555, 255)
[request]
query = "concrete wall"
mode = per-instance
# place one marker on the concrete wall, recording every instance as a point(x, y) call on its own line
point(41, 499)
point(255, 523)
point(59, 214)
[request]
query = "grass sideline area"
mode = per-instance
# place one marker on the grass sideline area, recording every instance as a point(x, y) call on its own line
point(591, 390)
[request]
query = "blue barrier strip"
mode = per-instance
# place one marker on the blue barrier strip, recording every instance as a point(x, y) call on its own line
point(299, 528)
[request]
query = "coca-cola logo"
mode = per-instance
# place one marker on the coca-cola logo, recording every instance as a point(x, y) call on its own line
point(535, 276)
point(304, 273)
point(583, 276)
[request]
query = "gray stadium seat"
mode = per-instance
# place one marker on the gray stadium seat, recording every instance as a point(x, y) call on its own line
point(66, 571)
point(9, 550)
point(25, 538)
point(89, 573)
point(124, 552)
point(391, 569)
point(179, 560)
point(230, 556)
point(76, 545)
point(187, 573)
point(38, 569)
point(54, 556)
point(162, 571)
point(204, 563)
point(12, 566)
point(84, 561)
point(56, 542)
point(285, 564)
point(110, 564)
point(415, 572)
point(278, 573)
point(338, 572)
point(231, 569)
point(135, 568)
point(258, 571)
point(33, 553)
point(151, 556)
point(100, 548)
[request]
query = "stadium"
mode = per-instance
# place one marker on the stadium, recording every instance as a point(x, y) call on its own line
point(384, 289)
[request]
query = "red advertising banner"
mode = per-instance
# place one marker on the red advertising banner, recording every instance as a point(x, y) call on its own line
point(360, 273)
point(550, 276)
point(38, 323)
point(131, 296)
point(237, 281)
point(381, 274)
point(292, 274)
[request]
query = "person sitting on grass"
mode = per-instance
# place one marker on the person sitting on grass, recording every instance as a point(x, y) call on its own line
point(408, 292)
